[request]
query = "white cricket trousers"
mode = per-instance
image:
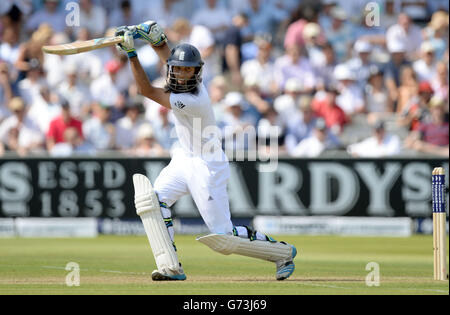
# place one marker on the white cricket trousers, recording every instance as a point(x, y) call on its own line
point(206, 181)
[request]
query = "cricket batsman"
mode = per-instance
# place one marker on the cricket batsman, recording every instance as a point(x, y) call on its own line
point(199, 167)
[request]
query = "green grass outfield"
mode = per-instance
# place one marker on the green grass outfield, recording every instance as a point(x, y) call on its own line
point(122, 265)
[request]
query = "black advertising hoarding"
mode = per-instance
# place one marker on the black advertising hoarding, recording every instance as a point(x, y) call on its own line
point(103, 187)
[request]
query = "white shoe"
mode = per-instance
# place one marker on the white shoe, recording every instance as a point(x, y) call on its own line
point(161, 276)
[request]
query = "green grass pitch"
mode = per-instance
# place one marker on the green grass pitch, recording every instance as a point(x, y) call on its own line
point(123, 265)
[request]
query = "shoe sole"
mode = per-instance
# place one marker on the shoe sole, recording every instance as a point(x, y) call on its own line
point(157, 276)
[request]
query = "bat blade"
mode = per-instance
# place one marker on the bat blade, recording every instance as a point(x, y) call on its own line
point(82, 46)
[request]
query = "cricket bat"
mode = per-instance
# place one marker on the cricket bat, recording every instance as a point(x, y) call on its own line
point(82, 46)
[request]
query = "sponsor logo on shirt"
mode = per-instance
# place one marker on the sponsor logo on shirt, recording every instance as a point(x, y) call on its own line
point(180, 105)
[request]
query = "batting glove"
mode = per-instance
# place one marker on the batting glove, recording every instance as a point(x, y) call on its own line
point(128, 44)
point(151, 32)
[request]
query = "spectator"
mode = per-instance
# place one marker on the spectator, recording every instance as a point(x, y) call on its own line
point(50, 14)
point(366, 26)
point(438, 6)
point(437, 33)
point(58, 126)
point(377, 99)
point(439, 81)
point(217, 91)
point(271, 132)
point(164, 130)
point(294, 65)
point(45, 108)
point(236, 124)
point(29, 87)
point(280, 77)
point(18, 133)
point(9, 50)
point(393, 69)
point(417, 9)
point(408, 87)
point(124, 75)
point(73, 144)
point(425, 66)
point(232, 45)
point(353, 9)
point(361, 64)
point(327, 108)
point(258, 103)
point(124, 15)
point(151, 107)
point(217, 19)
point(325, 72)
point(151, 64)
point(314, 44)
point(98, 130)
point(93, 18)
point(325, 18)
point(350, 98)
point(300, 124)
point(12, 14)
point(6, 92)
point(262, 68)
point(320, 141)
point(166, 12)
point(380, 144)
point(54, 64)
point(91, 64)
point(237, 6)
point(404, 33)
point(286, 103)
point(263, 18)
point(432, 138)
point(128, 126)
point(340, 35)
point(416, 110)
point(304, 15)
point(32, 50)
point(284, 8)
point(105, 89)
point(75, 92)
point(146, 144)
point(107, 54)
point(389, 16)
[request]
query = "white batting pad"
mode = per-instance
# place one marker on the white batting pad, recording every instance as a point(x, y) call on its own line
point(229, 244)
point(147, 207)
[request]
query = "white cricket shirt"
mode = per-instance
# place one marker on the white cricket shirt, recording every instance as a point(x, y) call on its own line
point(195, 124)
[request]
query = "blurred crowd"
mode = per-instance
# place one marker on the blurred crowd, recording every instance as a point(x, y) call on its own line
point(357, 78)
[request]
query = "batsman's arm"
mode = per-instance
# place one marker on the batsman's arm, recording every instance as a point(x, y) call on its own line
point(145, 88)
point(152, 33)
point(163, 52)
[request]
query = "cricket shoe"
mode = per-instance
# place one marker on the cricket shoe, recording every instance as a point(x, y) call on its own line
point(286, 267)
point(161, 276)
